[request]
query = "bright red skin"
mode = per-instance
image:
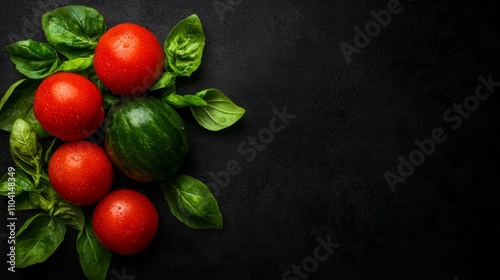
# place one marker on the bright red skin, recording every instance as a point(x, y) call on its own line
point(125, 221)
point(69, 106)
point(80, 172)
point(128, 59)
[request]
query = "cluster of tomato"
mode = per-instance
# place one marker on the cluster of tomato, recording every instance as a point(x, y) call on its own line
point(128, 59)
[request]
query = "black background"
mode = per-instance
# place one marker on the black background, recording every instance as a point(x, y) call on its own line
point(322, 176)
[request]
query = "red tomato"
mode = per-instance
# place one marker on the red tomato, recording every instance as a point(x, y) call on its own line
point(128, 59)
point(68, 106)
point(125, 221)
point(80, 172)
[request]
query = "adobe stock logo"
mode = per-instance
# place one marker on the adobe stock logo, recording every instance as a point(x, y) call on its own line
point(310, 264)
point(29, 27)
point(372, 29)
point(250, 148)
point(453, 117)
point(221, 8)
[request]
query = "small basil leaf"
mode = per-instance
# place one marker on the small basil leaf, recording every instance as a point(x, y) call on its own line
point(219, 113)
point(59, 209)
point(94, 258)
point(174, 99)
point(49, 152)
point(180, 101)
point(17, 103)
point(110, 99)
point(24, 201)
point(184, 46)
point(192, 203)
point(33, 59)
point(77, 64)
point(38, 239)
point(26, 150)
point(68, 214)
point(194, 100)
point(37, 127)
point(166, 80)
point(73, 30)
point(17, 181)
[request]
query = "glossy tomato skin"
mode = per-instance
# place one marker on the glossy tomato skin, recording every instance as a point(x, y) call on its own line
point(80, 172)
point(125, 221)
point(68, 106)
point(128, 59)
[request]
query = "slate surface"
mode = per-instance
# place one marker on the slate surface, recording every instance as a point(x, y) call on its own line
point(321, 178)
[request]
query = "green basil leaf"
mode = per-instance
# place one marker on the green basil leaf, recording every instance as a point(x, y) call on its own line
point(166, 80)
point(59, 209)
point(68, 214)
point(74, 30)
point(174, 99)
point(94, 258)
point(110, 99)
point(37, 127)
point(26, 150)
point(219, 113)
point(49, 152)
point(77, 64)
point(34, 59)
point(24, 201)
point(38, 239)
point(194, 100)
point(184, 46)
point(18, 181)
point(192, 203)
point(180, 101)
point(17, 103)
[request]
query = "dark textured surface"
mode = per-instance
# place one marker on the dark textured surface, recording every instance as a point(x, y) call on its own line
point(322, 175)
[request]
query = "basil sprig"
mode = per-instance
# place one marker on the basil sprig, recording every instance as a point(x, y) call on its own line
point(33, 190)
point(184, 50)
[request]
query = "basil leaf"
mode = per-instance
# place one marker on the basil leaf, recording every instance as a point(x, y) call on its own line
point(94, 258)
point(184, 46)
point(110, 99)
point(73, 30)
point(77, 64)
point(180, 101)
point(17, 103)
point(59, 209)
point(26, 150)
point(24, 201)
point(33, 59)
point(37, 127)
point(20, 182)
point(194, 100)
point(192, 203)
point(68, 214)
point(219, 113)
point(49, 152)
point(38, 239)
point(166, 80)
